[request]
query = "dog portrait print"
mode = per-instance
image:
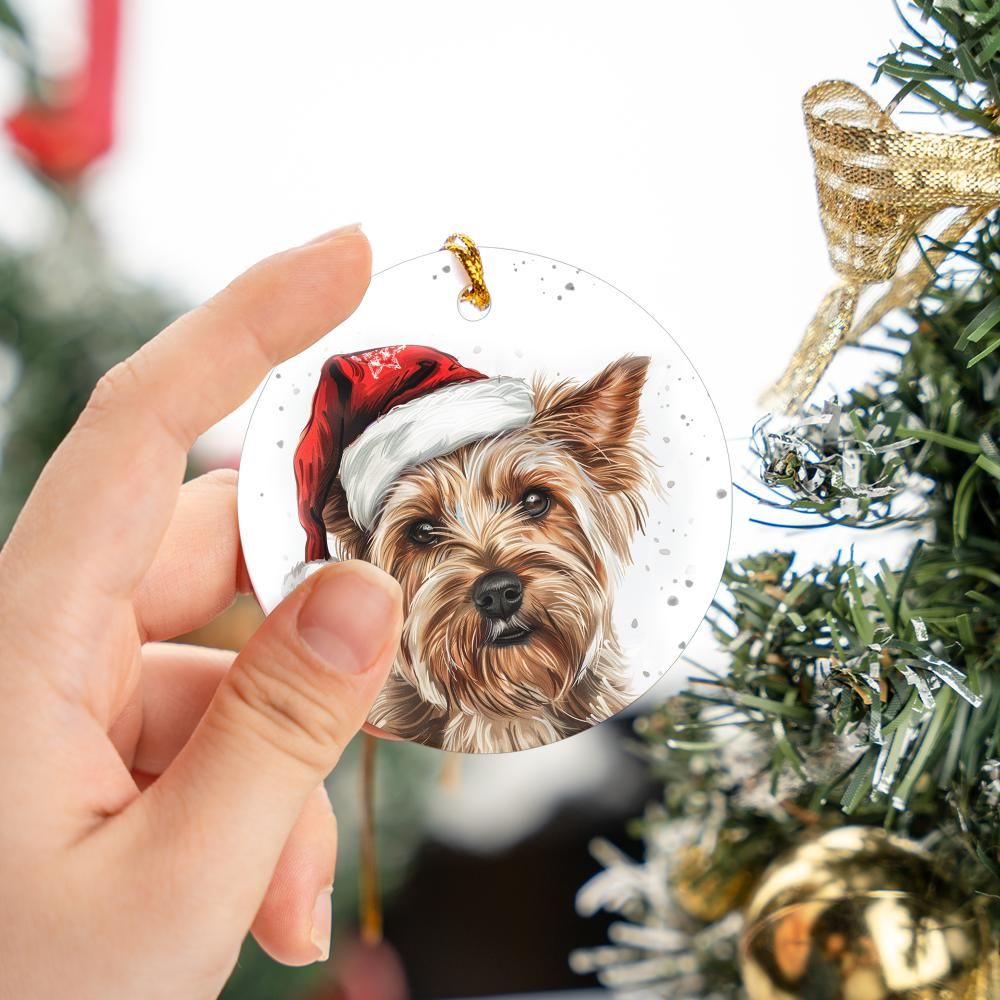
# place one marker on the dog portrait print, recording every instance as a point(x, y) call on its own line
point(506, 509)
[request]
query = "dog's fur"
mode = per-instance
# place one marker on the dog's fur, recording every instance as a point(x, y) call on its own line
point(449, 686)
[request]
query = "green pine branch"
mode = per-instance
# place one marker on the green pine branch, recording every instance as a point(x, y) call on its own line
point(857, 694)
point(951, 59)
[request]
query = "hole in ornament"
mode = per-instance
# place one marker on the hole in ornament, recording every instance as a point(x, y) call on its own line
point(471, 312)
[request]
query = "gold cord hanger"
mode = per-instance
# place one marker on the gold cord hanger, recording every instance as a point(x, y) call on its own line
point(371, 902)
point(467, 252)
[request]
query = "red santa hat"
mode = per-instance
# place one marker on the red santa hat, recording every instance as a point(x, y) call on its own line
point(378, 412)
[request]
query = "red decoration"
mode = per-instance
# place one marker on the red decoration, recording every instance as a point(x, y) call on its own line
point(63, 137)
point(366, 972)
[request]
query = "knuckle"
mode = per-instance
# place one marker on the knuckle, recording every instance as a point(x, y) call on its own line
point(125, 389)
point(224, 479)
point(216, 482)
point(251, 329)
point(116, 384)
point(289, 712)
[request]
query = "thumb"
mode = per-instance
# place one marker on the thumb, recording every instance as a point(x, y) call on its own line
point(277, 725)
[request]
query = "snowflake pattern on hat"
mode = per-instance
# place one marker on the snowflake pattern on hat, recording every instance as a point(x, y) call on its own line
point(379, 359)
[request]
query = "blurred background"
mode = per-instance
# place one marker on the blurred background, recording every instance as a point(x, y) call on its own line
point(152, 151)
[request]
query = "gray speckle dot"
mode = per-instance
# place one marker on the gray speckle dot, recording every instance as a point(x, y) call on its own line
point(664, 552)
point(477, 350)
point(721, 494)
point(296, 390)
point(559, 298)
point(277, 374)
point(434, 277)
point(281, 409)
point(446, 268)
point(281, 444)
point(645, 673)
point(635, 623)
point(666, 440)
point(671, 484)
point(689, 583)
point(673, 601)
point(570, 287)
point(682, 645)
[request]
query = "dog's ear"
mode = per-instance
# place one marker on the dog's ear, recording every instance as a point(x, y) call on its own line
point(351, 539)
point(597, 418)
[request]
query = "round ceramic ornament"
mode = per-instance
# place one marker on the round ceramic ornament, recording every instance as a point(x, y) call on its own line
point(536, 462)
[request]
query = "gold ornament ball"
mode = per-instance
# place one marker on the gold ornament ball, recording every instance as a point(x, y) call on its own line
point(859, 914)
point(703, 894)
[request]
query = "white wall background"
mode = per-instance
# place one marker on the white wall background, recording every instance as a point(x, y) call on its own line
point(658, 145)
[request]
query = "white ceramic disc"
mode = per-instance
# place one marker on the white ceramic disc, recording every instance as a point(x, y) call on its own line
point(549, 482)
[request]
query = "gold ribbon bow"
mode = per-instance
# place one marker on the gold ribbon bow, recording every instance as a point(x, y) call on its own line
point(878, 186)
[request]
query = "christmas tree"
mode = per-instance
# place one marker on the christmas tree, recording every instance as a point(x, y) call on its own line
point(67, 314)
point(857, 725)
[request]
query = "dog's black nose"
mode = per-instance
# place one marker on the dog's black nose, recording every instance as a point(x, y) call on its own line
point(497, 594)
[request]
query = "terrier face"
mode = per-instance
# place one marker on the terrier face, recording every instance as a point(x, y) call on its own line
point(508, 550)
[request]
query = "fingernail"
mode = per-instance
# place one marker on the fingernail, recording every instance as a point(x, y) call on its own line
point(333, 234)
point(347, 615)
point(322, 923)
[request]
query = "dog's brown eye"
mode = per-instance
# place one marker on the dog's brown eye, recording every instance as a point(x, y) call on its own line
point(422, 532)
point(536, 503)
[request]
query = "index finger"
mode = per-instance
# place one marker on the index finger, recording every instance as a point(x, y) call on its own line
point(105, 499)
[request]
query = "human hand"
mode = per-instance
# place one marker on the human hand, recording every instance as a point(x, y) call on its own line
point(159, 800)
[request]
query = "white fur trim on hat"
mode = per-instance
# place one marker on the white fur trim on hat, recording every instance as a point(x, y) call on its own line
point(301, 572)
point(428, 427)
